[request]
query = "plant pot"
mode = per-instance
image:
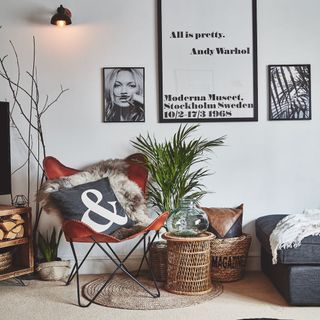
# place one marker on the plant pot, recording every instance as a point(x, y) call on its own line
point(53, 270)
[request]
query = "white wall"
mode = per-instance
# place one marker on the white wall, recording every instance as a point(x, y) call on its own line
point(270, 166)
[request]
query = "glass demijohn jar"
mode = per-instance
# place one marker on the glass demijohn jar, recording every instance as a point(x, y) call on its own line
point(187, 220)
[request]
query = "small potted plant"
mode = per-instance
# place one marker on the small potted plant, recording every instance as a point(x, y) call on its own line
point(51, 266)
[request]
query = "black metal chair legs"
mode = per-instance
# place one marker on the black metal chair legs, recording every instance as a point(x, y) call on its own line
point(120, 265)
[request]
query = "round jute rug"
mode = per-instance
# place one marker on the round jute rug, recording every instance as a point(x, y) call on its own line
point(123, 293)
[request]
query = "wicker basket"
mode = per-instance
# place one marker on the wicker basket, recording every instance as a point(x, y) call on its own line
point(5, 261)
point(188, 264)
point(229, 258)
point(158, 256)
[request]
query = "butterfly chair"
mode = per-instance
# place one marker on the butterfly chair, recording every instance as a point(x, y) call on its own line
point(78, 232)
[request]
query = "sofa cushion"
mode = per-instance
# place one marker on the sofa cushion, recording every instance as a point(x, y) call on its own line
point(307, 253)
point(93, 203)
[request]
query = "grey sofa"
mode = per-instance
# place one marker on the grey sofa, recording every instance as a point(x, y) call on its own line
point(297, 273)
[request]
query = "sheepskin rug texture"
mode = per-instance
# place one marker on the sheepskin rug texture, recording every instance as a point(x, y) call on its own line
point(128, 193)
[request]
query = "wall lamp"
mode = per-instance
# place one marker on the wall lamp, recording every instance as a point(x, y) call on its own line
point(62, 17)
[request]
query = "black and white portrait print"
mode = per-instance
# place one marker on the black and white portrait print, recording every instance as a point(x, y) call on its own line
point(289, 92)
point(123, 94)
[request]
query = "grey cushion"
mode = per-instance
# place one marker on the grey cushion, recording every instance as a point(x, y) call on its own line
point(307, 253)
point(93, 203)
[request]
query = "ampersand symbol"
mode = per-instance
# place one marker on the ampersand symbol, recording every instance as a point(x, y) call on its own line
point(101, 211)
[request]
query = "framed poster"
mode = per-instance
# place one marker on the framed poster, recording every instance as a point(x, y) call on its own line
point(123, 94)
point(289, 92)
point(207, 60)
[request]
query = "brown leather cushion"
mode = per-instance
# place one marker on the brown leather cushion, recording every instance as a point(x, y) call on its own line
point(225, 222)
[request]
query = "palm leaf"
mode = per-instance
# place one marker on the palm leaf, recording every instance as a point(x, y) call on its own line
point(171, 166)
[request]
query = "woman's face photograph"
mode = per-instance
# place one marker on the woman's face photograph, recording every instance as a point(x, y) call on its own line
point(123, 94)
point(124, 88)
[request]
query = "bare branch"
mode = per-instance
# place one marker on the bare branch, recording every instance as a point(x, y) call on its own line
point(27, 160)
point(45, 105)
point(18, 73)
point(30, 119)
point(15, 98)
point(32, 113)
point(15, 84)
point(24, 141)
point(55, 100)
point(36, 87)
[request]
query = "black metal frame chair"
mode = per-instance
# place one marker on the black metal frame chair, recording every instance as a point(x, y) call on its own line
point(98, 240)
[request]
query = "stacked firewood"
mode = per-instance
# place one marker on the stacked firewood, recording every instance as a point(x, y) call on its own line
point(11, 227)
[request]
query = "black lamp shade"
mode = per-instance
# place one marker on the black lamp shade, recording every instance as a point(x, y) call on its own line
point(5, 160)
point(62, 17)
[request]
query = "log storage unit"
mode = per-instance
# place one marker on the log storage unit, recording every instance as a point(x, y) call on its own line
point(16, 250)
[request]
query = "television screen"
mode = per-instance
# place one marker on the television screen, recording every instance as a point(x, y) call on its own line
point(5, 160)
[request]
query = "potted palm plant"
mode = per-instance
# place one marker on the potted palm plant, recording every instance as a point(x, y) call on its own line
point(176, 167)
point(51, 266)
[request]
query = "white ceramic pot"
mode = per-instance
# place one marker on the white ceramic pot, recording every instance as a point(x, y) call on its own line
point(53, 270)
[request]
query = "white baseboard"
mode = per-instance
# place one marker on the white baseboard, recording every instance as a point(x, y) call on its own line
point(99, 265)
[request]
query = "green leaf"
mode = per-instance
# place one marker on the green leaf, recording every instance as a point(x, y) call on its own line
point(48, 245)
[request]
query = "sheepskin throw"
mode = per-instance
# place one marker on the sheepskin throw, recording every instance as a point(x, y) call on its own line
point(292, 229)
point(127, 192)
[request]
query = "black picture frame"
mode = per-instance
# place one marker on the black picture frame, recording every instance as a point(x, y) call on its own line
point(235, 83)
point(123, 94)
point(289, 91)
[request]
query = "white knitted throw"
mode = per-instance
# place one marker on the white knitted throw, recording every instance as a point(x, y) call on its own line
point(292, 229)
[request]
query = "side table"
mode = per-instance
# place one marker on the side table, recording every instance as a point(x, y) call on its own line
point(189, 264)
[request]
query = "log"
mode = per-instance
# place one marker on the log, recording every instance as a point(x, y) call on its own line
point(17, 229)
point(17, 222)
point(10, 235)
point(20, 234)
point(11, 227)
point(7, 225)
point(16, 217)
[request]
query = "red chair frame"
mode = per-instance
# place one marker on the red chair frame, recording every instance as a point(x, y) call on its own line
point(78, 232)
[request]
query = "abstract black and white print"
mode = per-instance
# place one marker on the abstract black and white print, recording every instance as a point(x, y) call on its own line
point(289, 92)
